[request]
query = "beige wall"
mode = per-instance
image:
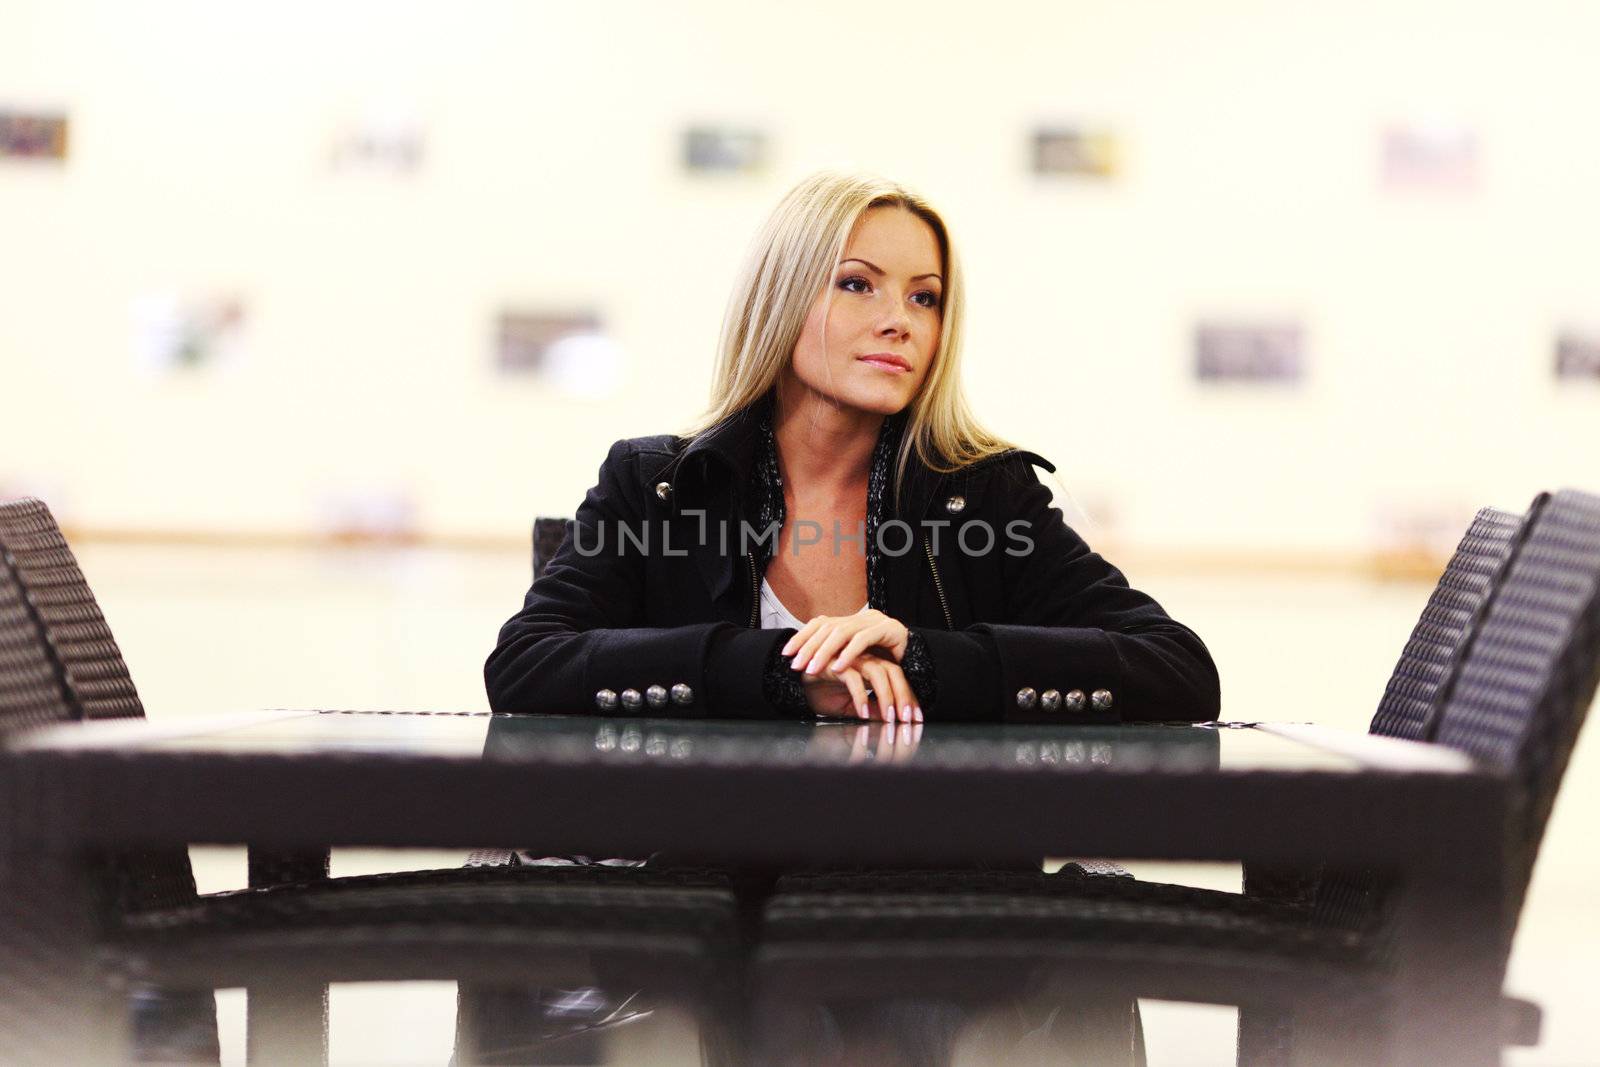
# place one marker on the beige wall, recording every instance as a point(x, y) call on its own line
point(551, 177)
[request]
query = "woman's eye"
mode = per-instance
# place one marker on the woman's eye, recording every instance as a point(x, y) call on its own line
point(927, 299)
point(854, 284)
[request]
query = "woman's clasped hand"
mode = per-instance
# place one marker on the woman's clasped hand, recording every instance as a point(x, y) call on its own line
point(850, 665)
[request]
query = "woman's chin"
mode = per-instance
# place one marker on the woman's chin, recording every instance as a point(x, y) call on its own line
point(880, 401)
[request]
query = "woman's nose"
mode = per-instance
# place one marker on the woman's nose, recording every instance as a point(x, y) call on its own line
point(895, 322)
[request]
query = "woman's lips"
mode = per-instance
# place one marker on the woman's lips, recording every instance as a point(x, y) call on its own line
point(892, 364)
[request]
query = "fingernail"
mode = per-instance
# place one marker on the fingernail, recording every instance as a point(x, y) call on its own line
point(837, 664)
point(861, 711)
point(918, 713)
point(814, 666)
point(905, 712)
point(797, 664)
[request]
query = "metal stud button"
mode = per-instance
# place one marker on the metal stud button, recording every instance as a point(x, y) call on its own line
point(605, 700)
point(682, 695)
point(631, 700)
point(663, 491)
point(1026, 698)
point(1101, 699)
point(1050, 699)
point(656, 695)
point(956, 504)
point(1076, 701)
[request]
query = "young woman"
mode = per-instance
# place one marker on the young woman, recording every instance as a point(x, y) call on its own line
point(838, 536)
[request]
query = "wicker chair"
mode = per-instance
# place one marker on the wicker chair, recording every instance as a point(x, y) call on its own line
point(549, 534)
point(58, 663)
point(1502, 665)
point(294, 930)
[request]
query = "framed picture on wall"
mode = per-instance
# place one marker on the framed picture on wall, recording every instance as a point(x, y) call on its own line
point(1075, 152)
point(381, 142)
point(724, 150)
point(1578, 355)
point(1429, 156)
point(33, 135)
point(568, 352)
point(186, 334)
point(1260, 352)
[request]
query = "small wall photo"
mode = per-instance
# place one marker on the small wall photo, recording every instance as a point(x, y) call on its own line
point(1429, 156)
point(566, 351)
point(712, 150)
point(1578, 355)
point(1071, 151)
point(32, 135)
point(184, 334)
point(383, 142)
point(1271, 353)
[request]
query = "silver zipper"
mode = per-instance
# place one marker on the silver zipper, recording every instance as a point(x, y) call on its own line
point(755, 593)
point(938, 586)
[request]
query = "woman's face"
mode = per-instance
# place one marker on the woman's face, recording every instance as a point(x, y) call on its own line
point(869, 346)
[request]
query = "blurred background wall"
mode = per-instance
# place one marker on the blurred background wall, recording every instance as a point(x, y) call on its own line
point(233, 156)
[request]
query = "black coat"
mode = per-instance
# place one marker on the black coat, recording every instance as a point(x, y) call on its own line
point(1014, 635)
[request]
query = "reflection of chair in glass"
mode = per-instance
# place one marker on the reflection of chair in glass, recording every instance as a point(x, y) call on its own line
point(286, 941)
point(1502, 665)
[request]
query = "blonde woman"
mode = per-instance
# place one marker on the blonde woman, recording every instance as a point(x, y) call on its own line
point(838, 536)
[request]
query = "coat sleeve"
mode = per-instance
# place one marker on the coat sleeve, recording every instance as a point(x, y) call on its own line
point(1072, 624)
point(578, 631)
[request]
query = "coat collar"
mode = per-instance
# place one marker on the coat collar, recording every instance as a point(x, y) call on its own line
point(729, 445)
point(713, 470)
point(729, 449)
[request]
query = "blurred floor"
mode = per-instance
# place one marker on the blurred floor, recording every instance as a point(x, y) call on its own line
point(211, 629)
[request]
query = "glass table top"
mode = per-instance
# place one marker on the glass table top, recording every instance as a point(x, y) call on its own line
point(617, 740)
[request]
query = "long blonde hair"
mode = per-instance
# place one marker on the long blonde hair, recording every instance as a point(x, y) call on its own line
point(789, 264)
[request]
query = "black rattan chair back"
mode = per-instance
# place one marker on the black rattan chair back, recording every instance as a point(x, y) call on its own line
point(1433, 650)
point(31, 693)
point(96, 679)
point(1410, 705)
point(1530, 675)
point(60, 623)
point(548, 537)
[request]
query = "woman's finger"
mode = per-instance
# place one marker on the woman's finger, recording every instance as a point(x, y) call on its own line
point(825, 644)
point(859, 643)
point(835, 650)
point(889, 684)
point(820, 627)
point(886, 633)
point(857, 685)
point(905, 699)
point(792, 646)
point(876, 672)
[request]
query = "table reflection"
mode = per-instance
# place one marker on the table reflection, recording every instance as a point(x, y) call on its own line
point(1013, 748)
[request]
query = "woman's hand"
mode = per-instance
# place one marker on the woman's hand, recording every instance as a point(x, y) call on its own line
point(834, 641)
point(875, 688)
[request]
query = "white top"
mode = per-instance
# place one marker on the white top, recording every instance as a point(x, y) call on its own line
point(774, 616)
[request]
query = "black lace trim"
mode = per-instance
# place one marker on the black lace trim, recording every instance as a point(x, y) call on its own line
point(918, 667)
point(781, 685)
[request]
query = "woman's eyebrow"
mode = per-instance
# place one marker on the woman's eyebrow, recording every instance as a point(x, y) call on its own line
point(879, 270)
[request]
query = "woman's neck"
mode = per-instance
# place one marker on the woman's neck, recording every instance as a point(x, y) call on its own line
point(821, 446)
